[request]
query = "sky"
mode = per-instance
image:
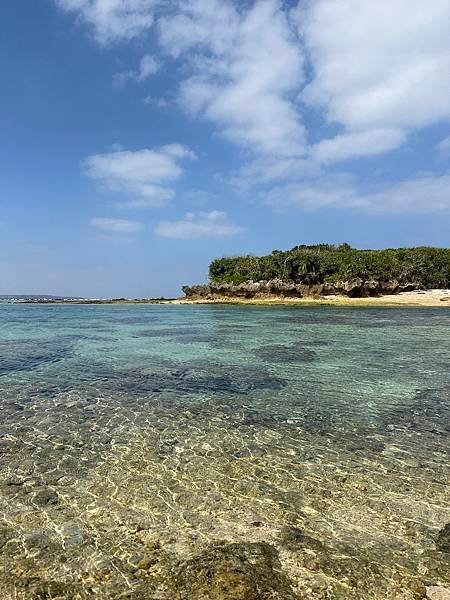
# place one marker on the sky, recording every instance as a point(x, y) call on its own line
point(139, 139)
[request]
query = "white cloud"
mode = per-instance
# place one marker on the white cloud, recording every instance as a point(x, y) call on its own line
point(143, 175)
point(378, 66)
point(377, 71)
point(162, 103)
point(246, 68)
point(116, 229)
point(113, 20)
point(356, 144)
point(380, 69)
point(203, 224)
point(200, 23)
point(148, 66)
point(425, 193)
point(266, 169)
point(444, 146)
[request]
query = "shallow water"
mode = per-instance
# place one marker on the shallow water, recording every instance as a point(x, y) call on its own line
point(147, 450)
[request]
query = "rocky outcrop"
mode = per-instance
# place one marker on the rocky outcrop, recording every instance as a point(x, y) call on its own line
point(355, 288)
point(244, 571)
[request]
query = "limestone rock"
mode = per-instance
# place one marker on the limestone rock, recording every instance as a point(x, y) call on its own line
point(354, 288)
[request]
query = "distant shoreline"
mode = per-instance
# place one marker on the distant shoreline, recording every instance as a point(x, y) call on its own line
point(430, 298)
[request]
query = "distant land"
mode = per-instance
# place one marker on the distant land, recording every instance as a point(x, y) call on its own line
point(24, 297)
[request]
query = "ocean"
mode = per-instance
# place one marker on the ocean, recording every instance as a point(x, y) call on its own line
point(190, 452)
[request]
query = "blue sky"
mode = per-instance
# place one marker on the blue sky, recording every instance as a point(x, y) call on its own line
point(141, 138)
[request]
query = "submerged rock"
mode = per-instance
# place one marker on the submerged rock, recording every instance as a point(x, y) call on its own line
point(286, 354)
point(437, 592)
point(443, 539)
point(27, 354)
point(45, 497)
point(242, 571)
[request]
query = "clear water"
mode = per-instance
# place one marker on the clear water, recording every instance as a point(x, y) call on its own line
point(135, 438)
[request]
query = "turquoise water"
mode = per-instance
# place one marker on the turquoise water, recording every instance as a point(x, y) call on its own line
point(135, 439)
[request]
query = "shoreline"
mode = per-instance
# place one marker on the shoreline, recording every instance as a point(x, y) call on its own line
point(428, 298)
point(425, 298)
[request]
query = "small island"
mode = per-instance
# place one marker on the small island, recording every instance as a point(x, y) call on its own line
point(335, 274)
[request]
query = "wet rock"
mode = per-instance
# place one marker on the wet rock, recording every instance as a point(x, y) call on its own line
point(200, 377)
point(73, 534)
point(295, 539)
point(242, 571)
point(6, 533)
point(166, 447)
point(15, 479)
point(443, 539)
point(8, 446)
point(437, 592)
point(41, 542)
point(58, 590)
point(252, 450)
point(45, 497)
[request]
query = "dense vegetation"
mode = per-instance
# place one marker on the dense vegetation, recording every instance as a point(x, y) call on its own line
point(426, 267)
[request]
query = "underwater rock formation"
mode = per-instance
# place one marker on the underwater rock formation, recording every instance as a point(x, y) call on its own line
point(280, 353)
point(248, 571)
point(443, 539)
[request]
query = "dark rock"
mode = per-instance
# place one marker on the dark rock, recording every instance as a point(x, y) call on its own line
point(28, 354)
point(295, 539)
point(443, 539)
point(242, 571)
point(285, 354)
point(45, 498)
point(58, 590)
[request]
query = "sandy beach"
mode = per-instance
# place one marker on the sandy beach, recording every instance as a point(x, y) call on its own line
point(418, 298)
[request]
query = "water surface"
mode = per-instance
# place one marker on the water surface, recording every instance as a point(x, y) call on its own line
point(147, 450)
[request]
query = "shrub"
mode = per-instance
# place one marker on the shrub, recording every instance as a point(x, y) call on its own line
point(426, 267)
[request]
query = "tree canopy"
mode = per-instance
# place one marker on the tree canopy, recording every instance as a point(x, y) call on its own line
point(427, 267)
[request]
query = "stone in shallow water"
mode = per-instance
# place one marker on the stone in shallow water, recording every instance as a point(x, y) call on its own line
point(242, 571)
point(436, 592)
point(278, 353)
point(443, 539)
point(202, 377)
point(45, 497)
point(295, 539)
point(195, 338)
point(57, 590)
point(428, 411)
point(176, 332)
